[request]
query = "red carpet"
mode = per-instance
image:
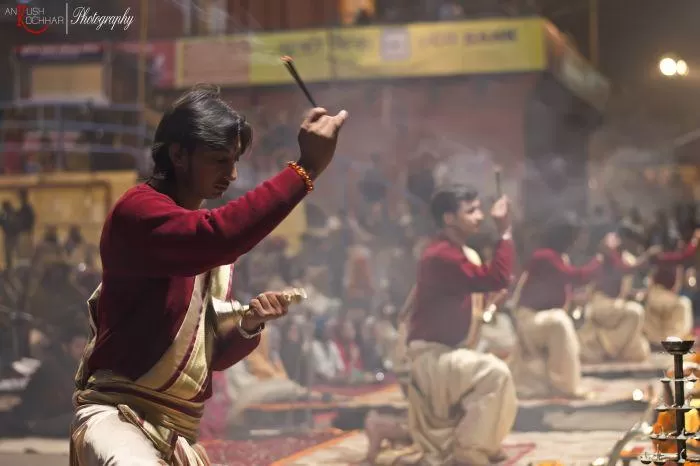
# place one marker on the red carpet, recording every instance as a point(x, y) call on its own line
point(516, 452)
point(262, 452)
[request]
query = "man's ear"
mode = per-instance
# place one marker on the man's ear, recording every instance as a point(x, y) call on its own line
point(177, 155)
point(448, 219)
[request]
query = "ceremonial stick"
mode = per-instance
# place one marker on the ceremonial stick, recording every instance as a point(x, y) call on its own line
point(499, 188)
point(289, 64)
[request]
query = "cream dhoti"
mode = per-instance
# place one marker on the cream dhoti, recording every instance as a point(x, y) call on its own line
point(154, 419)
point(613, 325)
point(109, 435)
point(462, 404)
point(613, 331)
point(667, 314)
point(548, 361)
point(498, 337)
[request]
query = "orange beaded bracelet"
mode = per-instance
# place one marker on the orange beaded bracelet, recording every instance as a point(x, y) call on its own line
point(303, 174)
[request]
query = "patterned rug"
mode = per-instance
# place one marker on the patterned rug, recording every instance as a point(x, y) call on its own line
point(351, 449)
point(333, 448)
point(522, 449)
point(379, 396)
point(602, 392)
point(264, 451)
point(654, 367)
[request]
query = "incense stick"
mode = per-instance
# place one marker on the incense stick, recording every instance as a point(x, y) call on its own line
point(499, 187)
point(289, 64)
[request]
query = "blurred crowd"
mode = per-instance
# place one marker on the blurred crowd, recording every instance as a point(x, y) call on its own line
point(50, 138)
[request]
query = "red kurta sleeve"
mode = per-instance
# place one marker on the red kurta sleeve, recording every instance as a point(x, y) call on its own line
point(451, 265)
point(232, 349)
point(574, 275)
point(614, 259)
point(165, 239)
point(677, 257)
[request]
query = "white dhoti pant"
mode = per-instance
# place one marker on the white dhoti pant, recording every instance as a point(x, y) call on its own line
point(548, 361)
point(613, 331)
point(100, 436)
point(462, 404)
point(498, 337)
point(667, 315)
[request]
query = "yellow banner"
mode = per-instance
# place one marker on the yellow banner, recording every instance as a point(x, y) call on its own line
point(308, 48)
point(440, 49)
point(428, 49)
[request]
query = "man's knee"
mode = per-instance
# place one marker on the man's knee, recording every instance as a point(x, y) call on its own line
point(559, 324)
point(633, 307)
point(634, 312)
point(498, 370)
point(112, 442)
point(685, 303)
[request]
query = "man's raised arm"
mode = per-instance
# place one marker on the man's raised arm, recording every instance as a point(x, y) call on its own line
point(172, 240)
point(451, 265)
point(152, 236)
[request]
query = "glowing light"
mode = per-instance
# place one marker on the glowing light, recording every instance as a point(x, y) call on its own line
point(668, 66)
point(682, 68)
point(637, 395)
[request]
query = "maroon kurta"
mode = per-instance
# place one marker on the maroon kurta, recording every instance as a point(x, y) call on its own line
point(445, 283)
point(152, 250)
point(550, 278)
point(609, 281)
point(667, 263)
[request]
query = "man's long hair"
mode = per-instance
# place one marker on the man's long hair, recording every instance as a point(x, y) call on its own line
point(200, 117)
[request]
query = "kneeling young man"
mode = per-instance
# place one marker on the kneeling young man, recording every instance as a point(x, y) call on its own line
point(157, 318)
point(462, 403)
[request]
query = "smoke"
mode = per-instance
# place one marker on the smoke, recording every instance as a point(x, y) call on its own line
point(551, 183)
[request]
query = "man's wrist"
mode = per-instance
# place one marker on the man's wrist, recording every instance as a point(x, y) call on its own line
point(249, 333)
point(506, 233)
point(250, 324)
point(310, 171)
